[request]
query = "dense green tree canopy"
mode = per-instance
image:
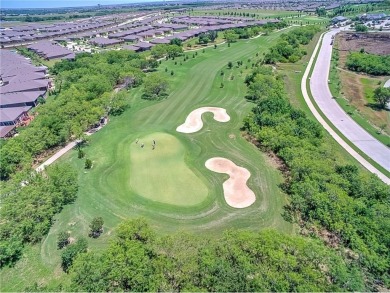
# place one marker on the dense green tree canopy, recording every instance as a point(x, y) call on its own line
point(352, 206)
point(288, 49)
point(368, 63)
point(155, 86)
point(28, 208)
point(139, 260)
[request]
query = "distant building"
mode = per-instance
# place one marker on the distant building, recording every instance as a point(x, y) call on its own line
point(373, 16)
point(338, 19)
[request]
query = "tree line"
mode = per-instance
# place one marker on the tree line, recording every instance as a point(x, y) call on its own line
point(368, 63)
point(139, 260)
point(289, 47)
point(326, 197)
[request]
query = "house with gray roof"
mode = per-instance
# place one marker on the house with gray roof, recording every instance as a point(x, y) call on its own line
point(20, 99)
point(338, 19)
point(373, 16)
point(12, 116)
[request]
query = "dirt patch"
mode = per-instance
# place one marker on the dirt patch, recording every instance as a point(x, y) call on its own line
point(374, 43)
point(194, 121)
point(236, 191)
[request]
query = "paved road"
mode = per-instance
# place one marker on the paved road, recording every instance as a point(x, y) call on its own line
point(341, 120)
point(339, 140)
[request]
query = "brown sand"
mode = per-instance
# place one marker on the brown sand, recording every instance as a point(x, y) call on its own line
point(236, 191)
point(194, 121)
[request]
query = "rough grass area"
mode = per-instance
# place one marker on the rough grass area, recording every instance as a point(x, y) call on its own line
point(354, 94)
point(106, 190)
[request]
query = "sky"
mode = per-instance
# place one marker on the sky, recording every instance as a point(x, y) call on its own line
point(62, 3)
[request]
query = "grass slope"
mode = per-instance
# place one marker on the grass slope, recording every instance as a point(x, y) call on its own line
point(105, 191)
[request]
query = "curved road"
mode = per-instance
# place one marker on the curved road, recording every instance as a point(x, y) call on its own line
point(331, 109)
point(339, 140)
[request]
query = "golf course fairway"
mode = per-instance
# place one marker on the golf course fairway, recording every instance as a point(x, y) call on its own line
point(169, 186)
point(161, 175)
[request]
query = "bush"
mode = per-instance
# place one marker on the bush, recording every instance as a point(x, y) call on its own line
point(71, 252)
point(62, 239)
point(96, 227)
point(88, 164)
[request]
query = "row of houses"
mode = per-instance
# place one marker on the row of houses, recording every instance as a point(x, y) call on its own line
point(35, 32)
point(21, 86)
point(50, 50)
point(191, 33)
point(163, 33)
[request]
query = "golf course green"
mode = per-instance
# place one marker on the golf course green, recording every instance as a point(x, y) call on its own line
point(170, 185)
point(159, 172)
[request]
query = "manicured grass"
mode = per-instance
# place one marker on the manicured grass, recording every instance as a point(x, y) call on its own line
point(106, 190)
point(161, 175)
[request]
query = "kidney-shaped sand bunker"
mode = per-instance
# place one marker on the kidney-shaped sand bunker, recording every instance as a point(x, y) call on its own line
point(236, 191)
point(194, 121)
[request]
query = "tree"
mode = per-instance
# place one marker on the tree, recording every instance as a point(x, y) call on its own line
point(62, 239)
point(118, 103)
point(80, 153)
point(382, 96)
point(230, 36)
point(213, 35)
point(203, 38)
point(230, 65)
point(70, 253)
point(176, 41)
point(174, 51)
point(361, 28)
point(88, 164)
point(155, 85)
point(158, 51)
point(96, 227)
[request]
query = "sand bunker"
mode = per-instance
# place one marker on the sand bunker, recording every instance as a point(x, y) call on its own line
point(194, 121)
point(237, 193)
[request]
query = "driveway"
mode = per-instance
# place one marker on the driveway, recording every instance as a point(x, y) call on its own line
point(331, 109)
